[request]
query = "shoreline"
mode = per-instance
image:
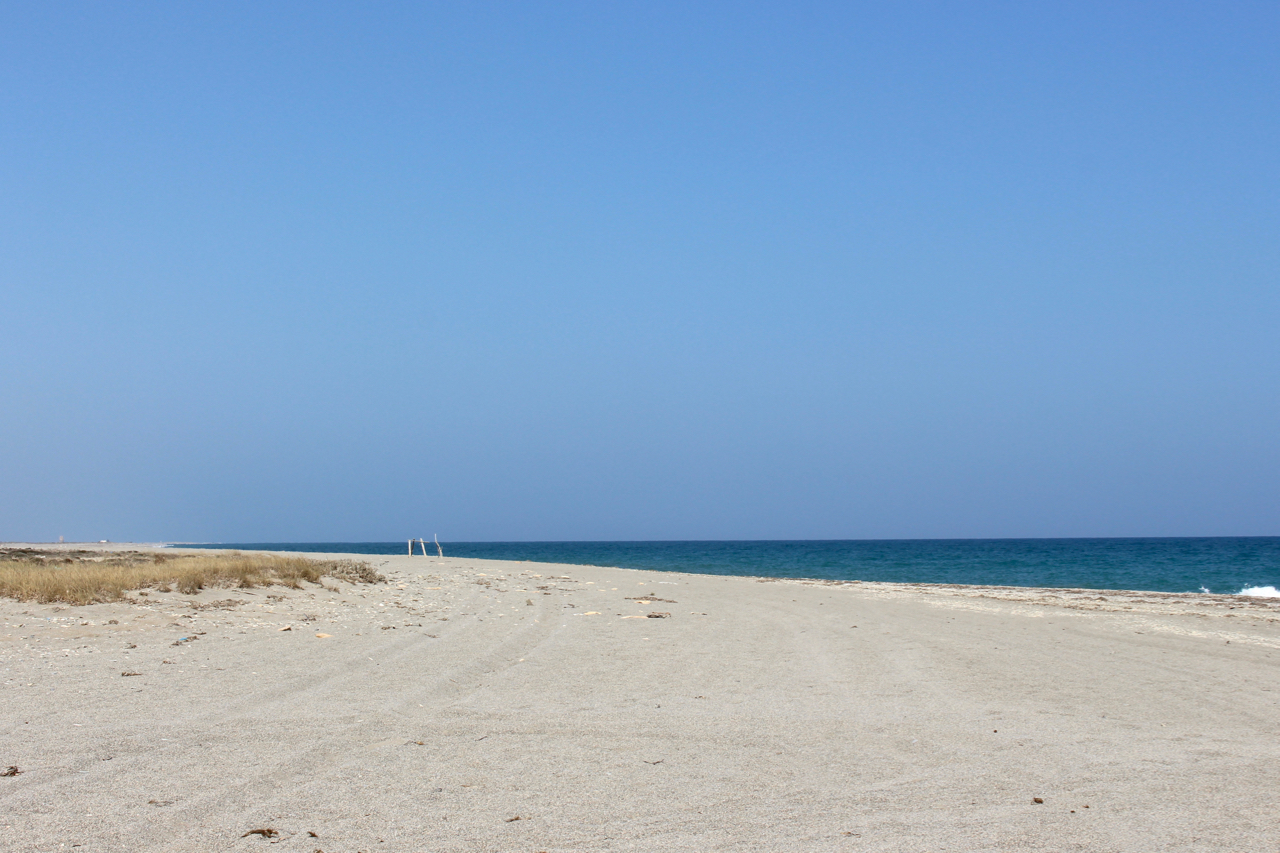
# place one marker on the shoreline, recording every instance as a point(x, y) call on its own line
point(1248, 592)
point(1059, 596)
point(494, 705)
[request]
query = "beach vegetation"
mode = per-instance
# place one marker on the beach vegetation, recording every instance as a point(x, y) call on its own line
point(89, 577)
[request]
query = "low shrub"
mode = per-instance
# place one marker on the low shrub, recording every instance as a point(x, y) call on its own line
point(86, 577)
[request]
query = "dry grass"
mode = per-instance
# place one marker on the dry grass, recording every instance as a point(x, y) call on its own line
point(86, 577)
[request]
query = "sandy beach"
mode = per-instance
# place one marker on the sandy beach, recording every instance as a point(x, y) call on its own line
point(470, 705)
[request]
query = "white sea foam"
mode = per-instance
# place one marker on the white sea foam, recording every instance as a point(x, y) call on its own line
point(1261, 591)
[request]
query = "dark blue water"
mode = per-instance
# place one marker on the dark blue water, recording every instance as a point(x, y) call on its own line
point(1219, 565)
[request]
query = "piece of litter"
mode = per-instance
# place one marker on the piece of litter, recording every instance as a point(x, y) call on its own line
point(657, 615)
point(517, 817)
point(323, 636)
point(287, 628)
point(127, 674)
point(1037, 800)
point(265, 833)
point(11, 771)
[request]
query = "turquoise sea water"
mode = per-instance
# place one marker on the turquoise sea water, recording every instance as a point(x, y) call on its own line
point(1218, 565)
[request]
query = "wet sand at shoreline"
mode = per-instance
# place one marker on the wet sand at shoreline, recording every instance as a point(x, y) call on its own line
point(489, 705)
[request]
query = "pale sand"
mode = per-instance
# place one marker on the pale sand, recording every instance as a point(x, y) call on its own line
point(756, 717)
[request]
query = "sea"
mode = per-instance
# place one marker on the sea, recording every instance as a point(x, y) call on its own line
point(1218, 565)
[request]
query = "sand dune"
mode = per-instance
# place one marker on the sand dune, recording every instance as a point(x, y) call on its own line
point(481, 705)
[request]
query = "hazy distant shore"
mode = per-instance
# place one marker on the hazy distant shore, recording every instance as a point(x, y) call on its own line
point(629, 710)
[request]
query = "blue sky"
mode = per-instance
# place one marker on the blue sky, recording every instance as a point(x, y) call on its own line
point(283, 272)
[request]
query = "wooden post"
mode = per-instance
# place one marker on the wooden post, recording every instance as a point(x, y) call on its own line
point(424, 547)
point(410, 547)
point(436, 537)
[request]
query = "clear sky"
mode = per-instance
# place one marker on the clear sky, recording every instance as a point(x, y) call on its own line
point(316, 271)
